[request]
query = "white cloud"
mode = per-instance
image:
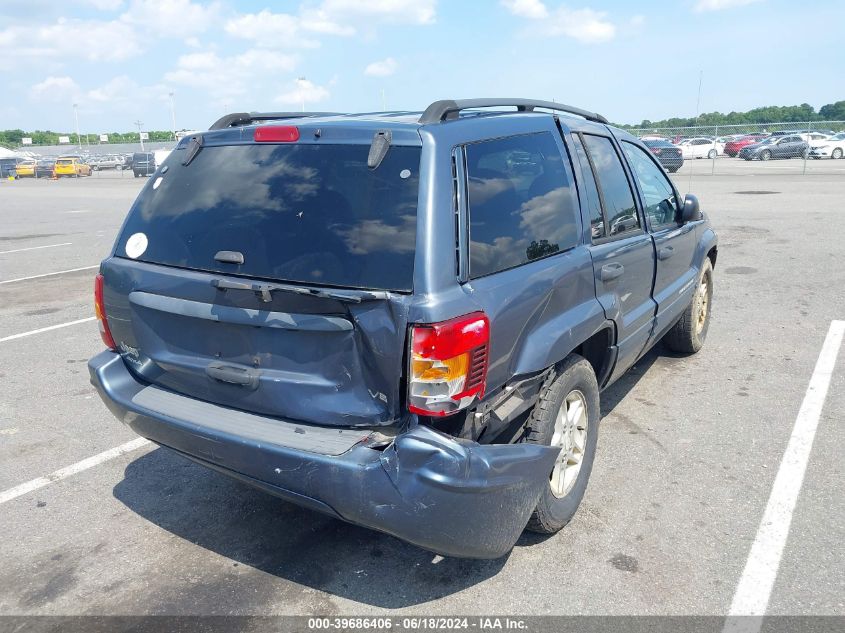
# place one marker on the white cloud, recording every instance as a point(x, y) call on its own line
point(403, 11)
point(332, 17)
point(303, 91)
point(103, 40)
point(383, 68)
point(172, 18)
point(719, 5)
point(526, 8)
point(228, 77)
point(95, 40)
point(274, 30)
point(55, 89)
point(105, 5)
point(584, 25)
point(120, 88)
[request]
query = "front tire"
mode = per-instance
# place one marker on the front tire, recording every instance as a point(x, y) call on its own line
point(566, 415)
point(712, 154)
point(689, 333)
point(765, 155)
point(836, 153)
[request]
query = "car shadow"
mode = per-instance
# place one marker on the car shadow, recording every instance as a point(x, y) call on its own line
point(256, 529)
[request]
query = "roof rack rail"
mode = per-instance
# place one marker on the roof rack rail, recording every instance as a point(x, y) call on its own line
point(449, 109)
point(246, 118)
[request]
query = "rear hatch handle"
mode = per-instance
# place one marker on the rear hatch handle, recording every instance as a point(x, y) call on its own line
point(266, 290)
point(234, 375)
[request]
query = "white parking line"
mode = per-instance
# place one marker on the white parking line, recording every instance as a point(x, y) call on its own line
point(761, 569)
point(45, 329)
point(35, 248)
point(67, 471)
point(58, 272)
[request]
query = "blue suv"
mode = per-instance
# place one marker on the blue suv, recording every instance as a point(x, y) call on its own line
point(402, 320)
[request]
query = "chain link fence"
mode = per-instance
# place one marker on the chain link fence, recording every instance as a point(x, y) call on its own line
point(798, 147)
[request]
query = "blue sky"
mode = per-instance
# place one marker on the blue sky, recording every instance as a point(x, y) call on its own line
point(119, 60)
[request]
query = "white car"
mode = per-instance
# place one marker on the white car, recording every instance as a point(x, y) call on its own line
point(701, 147)
point(830, 147)
point(812, 137)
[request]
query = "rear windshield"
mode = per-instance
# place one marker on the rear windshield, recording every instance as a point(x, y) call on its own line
point(142, 157)
point(312, 214)
point(64, 161)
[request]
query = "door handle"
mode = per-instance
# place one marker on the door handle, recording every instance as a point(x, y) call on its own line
point(611, 271)
point(243, 376)
point(665, 253)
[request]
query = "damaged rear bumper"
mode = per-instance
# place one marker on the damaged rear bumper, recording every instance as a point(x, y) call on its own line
point(455, 498)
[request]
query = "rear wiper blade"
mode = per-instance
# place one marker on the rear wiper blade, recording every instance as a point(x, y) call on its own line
point(266, 290)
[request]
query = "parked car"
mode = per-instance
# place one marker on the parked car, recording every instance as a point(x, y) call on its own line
point(303, 321)
point(105, 162)
point(811, 137)
point(701, 147)
point(26, 168)
point(732, 148)
point(831, 147)
point(668, 155)
point(72, 166)
point(8, 168)
point(44, 167)
point(775, 147)
point(143, 164)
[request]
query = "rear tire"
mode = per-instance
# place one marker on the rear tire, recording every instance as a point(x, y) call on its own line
point(567, 415)
point(765, 155)
point(689, 333)
point(712, 154)
point(836, 153)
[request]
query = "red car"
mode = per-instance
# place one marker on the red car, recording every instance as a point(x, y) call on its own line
point(732, 148)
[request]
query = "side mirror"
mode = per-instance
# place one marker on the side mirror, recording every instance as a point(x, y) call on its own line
point(690, 211)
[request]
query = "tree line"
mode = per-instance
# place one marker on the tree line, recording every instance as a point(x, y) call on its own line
point(803, 113)
point(12, 138)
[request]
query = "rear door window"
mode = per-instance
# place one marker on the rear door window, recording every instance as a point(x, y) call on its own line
point(304, 213)
point(521, 202)
point(591, 193)
point(619, 205)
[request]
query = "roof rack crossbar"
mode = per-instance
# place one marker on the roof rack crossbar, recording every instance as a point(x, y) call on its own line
point(449, 109)
point(247, 118)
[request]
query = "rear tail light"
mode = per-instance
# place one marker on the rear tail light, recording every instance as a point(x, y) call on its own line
point(100, 311)
point(448, 365)
point(276, 134)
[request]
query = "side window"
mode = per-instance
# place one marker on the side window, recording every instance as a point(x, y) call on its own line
point(618, 199)
point(658, 195)
point(521, 202)
point(591, 193)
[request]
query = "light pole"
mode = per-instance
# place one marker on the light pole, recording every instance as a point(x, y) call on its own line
point(139, 124)
point(172, 115)
point(301, 81)
point(76, 116)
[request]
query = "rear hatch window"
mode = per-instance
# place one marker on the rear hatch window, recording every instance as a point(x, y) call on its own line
point(312, 214)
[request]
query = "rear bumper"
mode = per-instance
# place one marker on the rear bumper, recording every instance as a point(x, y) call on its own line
point(455, 498)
